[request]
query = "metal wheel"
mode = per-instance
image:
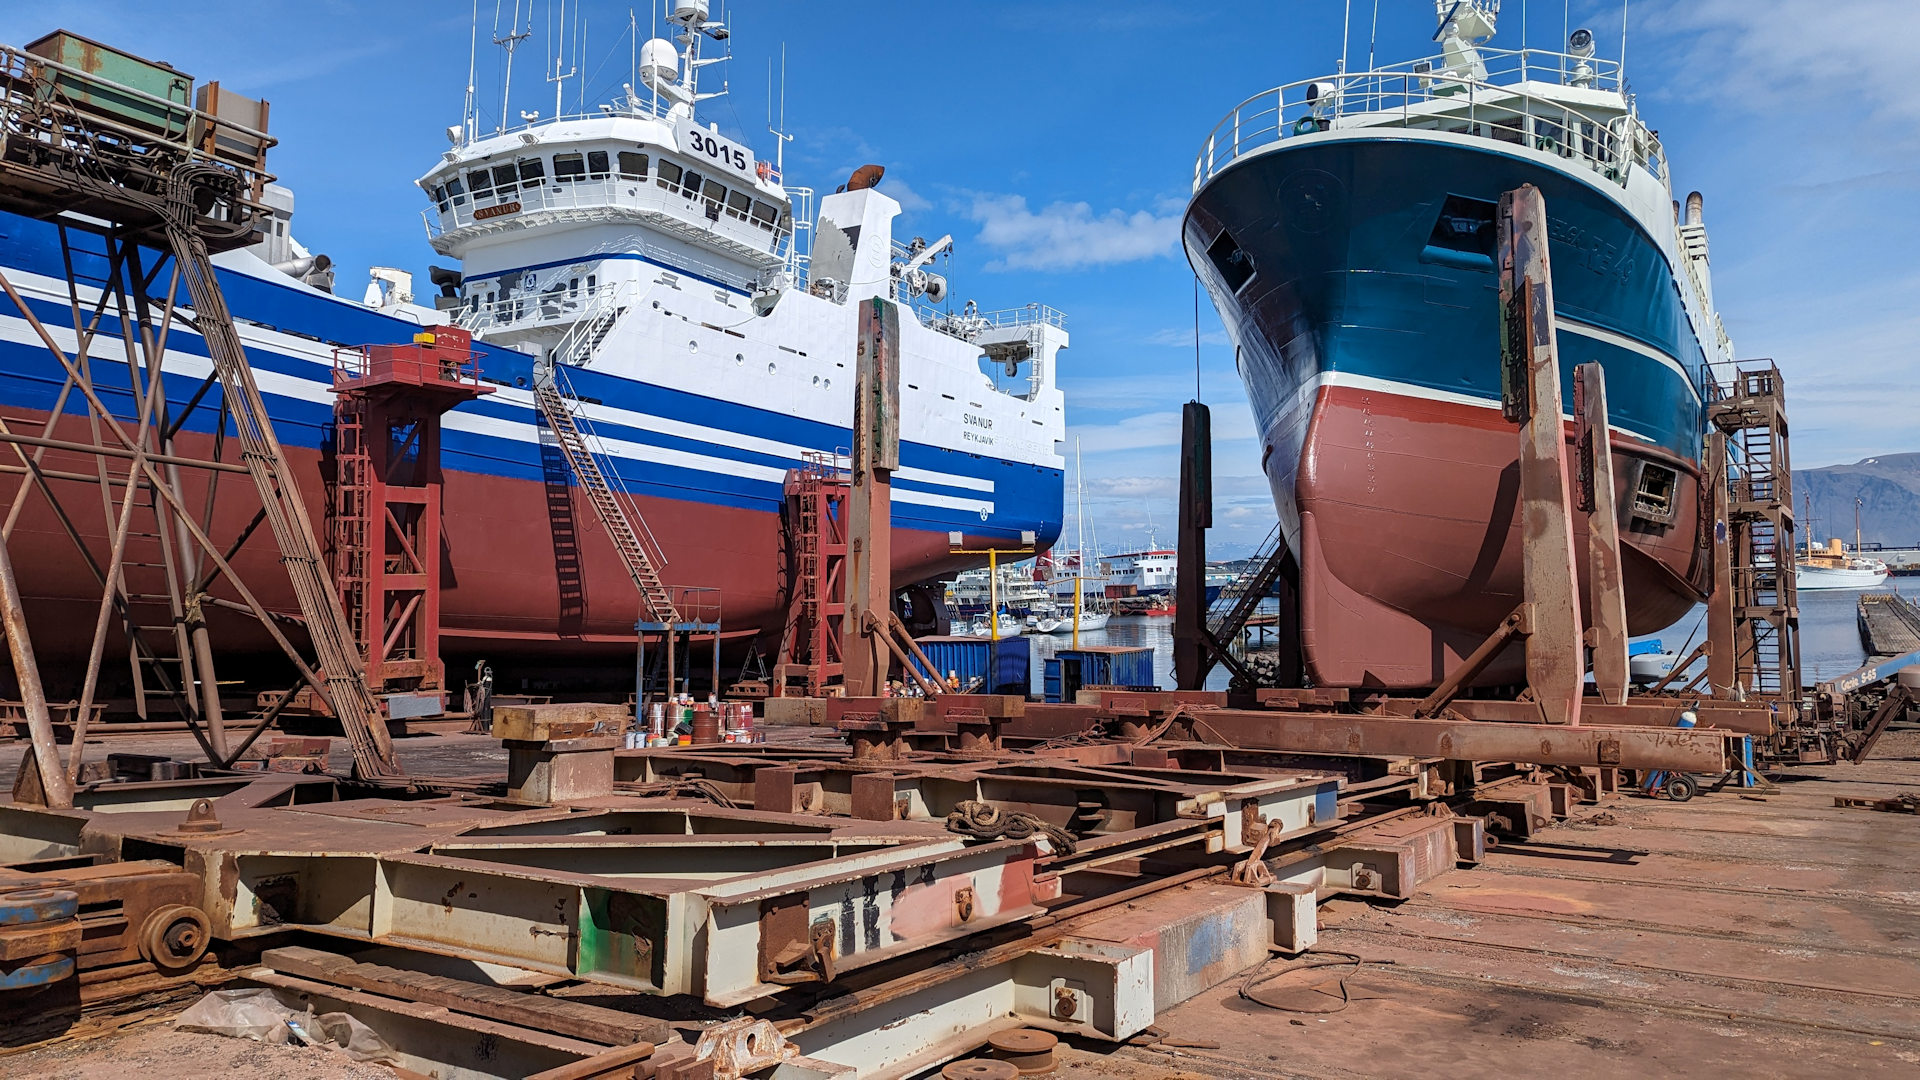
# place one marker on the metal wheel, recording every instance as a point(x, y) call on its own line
point(174, 938)
point(1680, 787)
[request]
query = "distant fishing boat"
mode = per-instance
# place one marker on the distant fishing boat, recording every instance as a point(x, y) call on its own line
point(1833, 567)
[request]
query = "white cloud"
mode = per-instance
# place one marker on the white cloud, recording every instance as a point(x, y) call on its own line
point(1068, 236)
point(1801, 55)
point(1156, 429)
point(1174, 335)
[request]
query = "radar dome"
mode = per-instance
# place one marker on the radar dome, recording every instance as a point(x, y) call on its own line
point(659, 63)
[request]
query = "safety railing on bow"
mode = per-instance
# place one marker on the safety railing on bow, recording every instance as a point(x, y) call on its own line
point(1545, 101)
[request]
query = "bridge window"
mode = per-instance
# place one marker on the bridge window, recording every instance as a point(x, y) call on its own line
point(533, 171)
point(764, 215)
point(482, 182)
point(597, 165)
point(455, 193)
point(738, 203)
point(440, 197)
point(633, 166)
point(668, 174)
point(568, 168)
point(690, 182)
point(505, 180)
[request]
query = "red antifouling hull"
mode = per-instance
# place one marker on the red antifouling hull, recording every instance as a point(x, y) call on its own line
point(1410, 539)
point(528, 575)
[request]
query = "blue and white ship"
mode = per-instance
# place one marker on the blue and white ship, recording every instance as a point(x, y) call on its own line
point(699, 313)
point(1344, 227)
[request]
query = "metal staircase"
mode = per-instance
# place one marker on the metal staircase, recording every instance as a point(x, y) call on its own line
point(1229, 613)
point(1749, 412)
point(557, 409)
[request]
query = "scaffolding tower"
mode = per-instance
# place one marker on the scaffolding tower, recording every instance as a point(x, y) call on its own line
point(1754, 613)
point(130, 458)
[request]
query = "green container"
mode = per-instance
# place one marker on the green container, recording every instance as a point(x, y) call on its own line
point(109, 74)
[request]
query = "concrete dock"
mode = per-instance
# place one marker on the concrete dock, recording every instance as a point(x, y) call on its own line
point(1889, 625)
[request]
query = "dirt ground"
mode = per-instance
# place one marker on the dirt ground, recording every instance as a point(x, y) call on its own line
point(158, 1052)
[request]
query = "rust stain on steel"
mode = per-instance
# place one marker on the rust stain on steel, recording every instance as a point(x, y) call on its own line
point(1555, 668)
point(1606, 591)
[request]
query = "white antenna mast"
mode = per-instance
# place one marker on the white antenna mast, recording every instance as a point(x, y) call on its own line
point(554, 75)
point(780, 136)
point(511, 42)
point(469, 118)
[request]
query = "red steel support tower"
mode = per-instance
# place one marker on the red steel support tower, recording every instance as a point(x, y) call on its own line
point(385, 520)
point(809, 657)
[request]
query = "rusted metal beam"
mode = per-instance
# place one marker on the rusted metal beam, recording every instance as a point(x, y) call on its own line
point(1465, 740)
point(1531, 397)
point(1723, 655)
point(1191, 645)
point(1517, 624)
point(875, 455)
point(54, 788)
point(1606, 591)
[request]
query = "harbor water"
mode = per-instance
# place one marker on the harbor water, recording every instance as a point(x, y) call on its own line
point(1829, 639)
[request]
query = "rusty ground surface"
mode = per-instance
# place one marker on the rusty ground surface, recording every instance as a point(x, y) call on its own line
point(1725, 936)
point(1773, 935)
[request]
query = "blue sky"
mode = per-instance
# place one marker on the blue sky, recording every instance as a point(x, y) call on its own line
point(1056, 143)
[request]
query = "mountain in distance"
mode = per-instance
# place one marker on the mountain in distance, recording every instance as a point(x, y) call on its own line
point(1888, 487)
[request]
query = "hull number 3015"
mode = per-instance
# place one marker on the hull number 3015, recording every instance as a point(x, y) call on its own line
point(701, 143)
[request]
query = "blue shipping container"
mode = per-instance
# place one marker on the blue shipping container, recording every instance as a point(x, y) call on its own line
point(1098, 665)
point(984, 666)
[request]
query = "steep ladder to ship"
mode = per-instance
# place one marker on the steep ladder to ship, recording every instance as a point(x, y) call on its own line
point(91, 135)
point(558, 412)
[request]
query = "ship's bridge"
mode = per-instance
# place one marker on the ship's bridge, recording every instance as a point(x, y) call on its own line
point(656, 171)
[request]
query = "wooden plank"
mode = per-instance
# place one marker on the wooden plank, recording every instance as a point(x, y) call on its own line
point(572, 1018)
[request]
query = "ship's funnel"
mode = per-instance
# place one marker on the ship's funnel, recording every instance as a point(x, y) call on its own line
point(1695, 203)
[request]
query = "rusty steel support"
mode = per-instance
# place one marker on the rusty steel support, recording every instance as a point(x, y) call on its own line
point(1723, 651)
point(1606, 592)
point(1683, 750)
point(55, 791)
point(1191, 644)
point(1530, 392)
point(875, 455)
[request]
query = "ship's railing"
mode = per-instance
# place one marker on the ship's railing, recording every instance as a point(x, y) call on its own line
point(531, 310)
point(648, 194)
point(968, 324)
point(1529, 112)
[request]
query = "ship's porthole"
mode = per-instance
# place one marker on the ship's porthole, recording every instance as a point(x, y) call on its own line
point(693, 346)
point(656, 305)
point(771, 368)
point(739, 358)
point(826, 384)
point(816, 380)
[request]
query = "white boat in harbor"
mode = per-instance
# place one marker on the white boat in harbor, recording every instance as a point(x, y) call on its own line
point(1834, 567)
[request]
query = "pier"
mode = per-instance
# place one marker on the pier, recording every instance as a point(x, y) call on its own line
point(1889, 625)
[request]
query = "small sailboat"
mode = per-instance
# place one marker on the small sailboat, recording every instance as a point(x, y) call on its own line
point(1089, 612)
